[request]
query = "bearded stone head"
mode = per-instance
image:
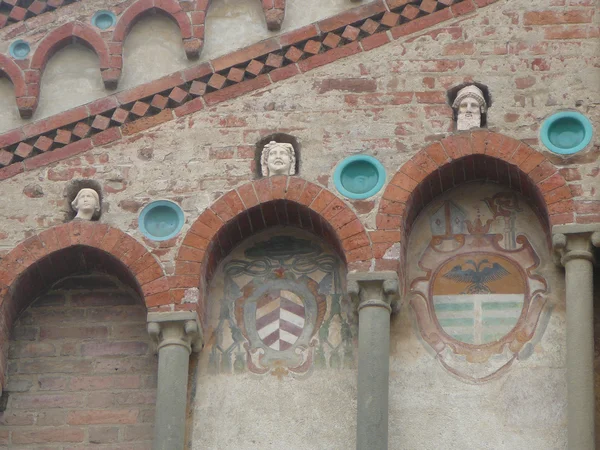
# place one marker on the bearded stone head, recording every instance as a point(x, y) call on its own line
point(469, 106)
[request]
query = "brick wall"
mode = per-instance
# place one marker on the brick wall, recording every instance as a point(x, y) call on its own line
point(81, 373)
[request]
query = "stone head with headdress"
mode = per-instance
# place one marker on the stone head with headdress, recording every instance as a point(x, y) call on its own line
point(469, 105)
point(278, 158)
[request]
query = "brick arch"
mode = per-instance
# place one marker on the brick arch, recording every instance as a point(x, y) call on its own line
point(14, 73)
point(34, 265)
point(258, 205)
point(56, 40)
point(464, 157)
point(192, 29)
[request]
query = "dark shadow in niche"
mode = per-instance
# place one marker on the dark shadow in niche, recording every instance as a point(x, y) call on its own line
point(73, 189)
point(453, 92)
point(277, 137)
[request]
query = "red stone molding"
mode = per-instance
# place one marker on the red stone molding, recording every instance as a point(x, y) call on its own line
point(252, 207)
point(460, 158)
point(14, 73)
point(229, 76)
point(274, 13)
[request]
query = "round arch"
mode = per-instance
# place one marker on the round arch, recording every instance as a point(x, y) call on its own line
point(464, 157)
point(259, 205)
point(37, 263)
point(62, 36)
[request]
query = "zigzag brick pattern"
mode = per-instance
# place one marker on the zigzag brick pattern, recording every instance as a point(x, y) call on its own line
point(229, 76)
point(13, 11)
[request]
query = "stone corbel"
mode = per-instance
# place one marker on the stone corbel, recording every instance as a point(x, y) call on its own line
point(175, 328)
point(378, 289)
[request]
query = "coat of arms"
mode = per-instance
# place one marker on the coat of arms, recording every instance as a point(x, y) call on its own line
point(282, 311)
point(480, 299)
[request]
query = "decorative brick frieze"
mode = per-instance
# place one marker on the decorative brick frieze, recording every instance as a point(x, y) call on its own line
point(14, 11)
point(229, 76)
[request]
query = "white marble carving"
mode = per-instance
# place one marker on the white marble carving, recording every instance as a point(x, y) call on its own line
point(86, 204)
point(469, 106)
point(278, 159)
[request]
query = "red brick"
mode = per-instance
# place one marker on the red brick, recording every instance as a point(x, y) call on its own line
point(414, 172)
point(245, 54)
point(322, 201)
point(107, 136)
point(148, 89)
point(48, 435)
point(374, 41)
point(329, 56)
point(96, 417)
point(558, 194)
point(557, 17)
point(54, 122)
point(352, 16)
point(421, 23)
point(464, 7)
point(396, 194)
point(532, 162)
point(65, 152)
point(110, 348)
point(237, 90)
point(284, 73)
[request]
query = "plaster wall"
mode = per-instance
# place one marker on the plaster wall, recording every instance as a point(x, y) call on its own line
point(251, 394)
point(525, 407)
point(151, 50)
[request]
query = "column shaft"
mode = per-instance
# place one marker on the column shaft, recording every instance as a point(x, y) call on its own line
point(373, 377)
point(171, 398)
point(580, 353)
point(176, 335)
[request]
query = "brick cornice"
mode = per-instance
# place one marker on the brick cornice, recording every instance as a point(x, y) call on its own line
point(185, 92)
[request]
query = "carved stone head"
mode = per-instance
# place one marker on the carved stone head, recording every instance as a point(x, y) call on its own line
point(469, 106)
point(86, 204)
point(278, 159)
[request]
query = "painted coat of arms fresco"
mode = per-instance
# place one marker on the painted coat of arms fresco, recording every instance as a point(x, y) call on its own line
point(282, 311)
point(479, 297)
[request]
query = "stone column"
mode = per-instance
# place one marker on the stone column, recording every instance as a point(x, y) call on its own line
point(374, 293)
point(573, 244)
point(176, 334)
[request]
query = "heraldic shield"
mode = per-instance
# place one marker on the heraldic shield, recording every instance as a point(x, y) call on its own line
point(480, 300)
point(282, 311)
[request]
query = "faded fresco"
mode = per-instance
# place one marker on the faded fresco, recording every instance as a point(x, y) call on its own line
point(281, 310)
point(476, 290)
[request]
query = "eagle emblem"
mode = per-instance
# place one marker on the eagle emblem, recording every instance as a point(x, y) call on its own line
point(477, 277)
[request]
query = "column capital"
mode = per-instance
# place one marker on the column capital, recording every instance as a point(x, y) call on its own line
point(574, 241)
point(374, 289)
point(176, 328)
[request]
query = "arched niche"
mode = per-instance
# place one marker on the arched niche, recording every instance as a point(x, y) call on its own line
point(280, 342)
point(81, 367)
point(44, 272)
point(482, 334)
